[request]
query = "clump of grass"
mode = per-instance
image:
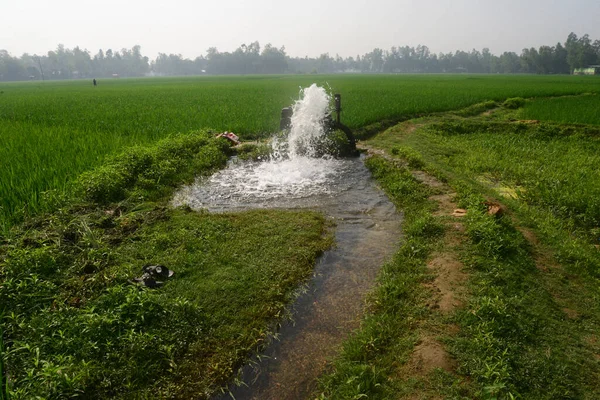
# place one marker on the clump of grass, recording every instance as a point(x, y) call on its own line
point(413, 158)
point(254, 152)
point(514, 103)
point(476, 109)
point(153, 169)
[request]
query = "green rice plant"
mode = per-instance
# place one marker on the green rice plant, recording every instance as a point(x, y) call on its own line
point(569, 110)
point(50, 132)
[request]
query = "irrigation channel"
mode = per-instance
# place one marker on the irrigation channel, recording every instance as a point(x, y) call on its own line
point(367, 233)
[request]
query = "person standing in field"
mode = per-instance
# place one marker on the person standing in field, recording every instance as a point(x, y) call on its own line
point(94, 81)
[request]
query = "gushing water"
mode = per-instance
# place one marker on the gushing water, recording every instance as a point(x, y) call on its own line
point(307, 129)
point(293, 172)
point(367, 228)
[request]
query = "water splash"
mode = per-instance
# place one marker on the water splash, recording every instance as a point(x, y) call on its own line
point(295, 170)
point(307, 132)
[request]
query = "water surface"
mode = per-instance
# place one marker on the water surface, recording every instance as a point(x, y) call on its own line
point(366, 235)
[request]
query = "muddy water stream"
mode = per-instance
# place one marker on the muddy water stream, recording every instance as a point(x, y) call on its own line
point(366, 234)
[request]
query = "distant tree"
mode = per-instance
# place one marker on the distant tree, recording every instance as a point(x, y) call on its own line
point(273, 60)
point(214, 61)
point(545, 60)
point(325, 64)
point(474, 63)
point(10, 68)
point(422, 55)
point(460, 62)
point(573, 48)
point(339, 64)
point(509, 63)
point(529, 60)
point(31, 65)
point(63, 63)
point(488, 61)
point(373, 61)
point(81, 63)
point(559, 62)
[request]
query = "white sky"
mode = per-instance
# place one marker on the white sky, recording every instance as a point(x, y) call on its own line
point(305, 27)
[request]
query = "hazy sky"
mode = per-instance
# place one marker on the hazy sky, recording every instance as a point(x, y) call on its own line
point(305, 27)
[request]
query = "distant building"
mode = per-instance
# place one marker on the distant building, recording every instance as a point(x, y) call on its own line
point(590, 70)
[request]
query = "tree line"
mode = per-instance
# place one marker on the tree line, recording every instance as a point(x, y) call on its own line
point(62, 63)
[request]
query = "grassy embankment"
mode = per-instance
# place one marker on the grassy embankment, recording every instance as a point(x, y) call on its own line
point(50, 132)
point(527, 318)
point(73, 325)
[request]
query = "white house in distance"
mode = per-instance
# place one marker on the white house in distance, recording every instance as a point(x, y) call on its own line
point(590, 70)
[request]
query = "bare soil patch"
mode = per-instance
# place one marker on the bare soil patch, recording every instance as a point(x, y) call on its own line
point(447, 288)
point(428, 355)
point(449, 279)
point(428, 180)
point(445, 202)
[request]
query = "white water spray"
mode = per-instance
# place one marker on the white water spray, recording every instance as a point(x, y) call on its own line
point(307, 122)
point(294, 171)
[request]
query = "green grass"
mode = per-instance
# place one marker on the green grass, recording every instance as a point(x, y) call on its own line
point(549, 166)
point(50, 132)
point(515, 340)
point(568, 110)
point(529, 329)
point(76, 327)
point(73, 325)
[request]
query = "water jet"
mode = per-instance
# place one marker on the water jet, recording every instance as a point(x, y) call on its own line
point(330, 127)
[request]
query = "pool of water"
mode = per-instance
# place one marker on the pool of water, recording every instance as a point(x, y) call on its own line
point(366, 235)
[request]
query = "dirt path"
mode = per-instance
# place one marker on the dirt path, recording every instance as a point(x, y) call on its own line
point(447, 291)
